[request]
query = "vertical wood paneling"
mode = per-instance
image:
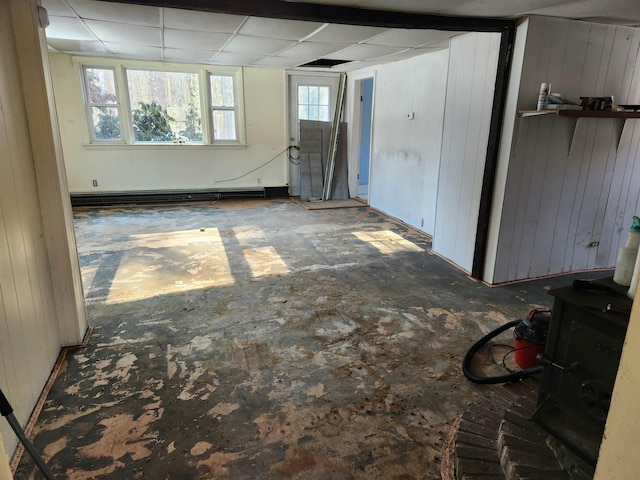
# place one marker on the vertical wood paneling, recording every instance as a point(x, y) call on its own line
point(28, 322)
point(576, 185)
point(406, 153)
point(629, 91)
point(470, 85)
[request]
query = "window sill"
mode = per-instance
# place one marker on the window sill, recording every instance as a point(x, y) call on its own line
point(162, 146)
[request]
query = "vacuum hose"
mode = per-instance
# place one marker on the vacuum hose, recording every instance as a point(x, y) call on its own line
point(511, 377)
point(7, 411)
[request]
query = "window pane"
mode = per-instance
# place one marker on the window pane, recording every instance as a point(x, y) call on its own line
point(323, 114)
point(222, 91)
point(105, 122)
point(101, 85)
point(313, 95)
point(303, 95)
point(313, 112)
point(165, 105)
point(224, 125)
point(303, 112)
point(323, 96)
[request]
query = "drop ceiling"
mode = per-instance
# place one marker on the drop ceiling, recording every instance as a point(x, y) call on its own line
point(140, 32)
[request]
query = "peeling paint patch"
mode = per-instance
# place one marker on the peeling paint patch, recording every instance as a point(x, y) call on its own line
point(200, 448)
point(216, 463)
point(451, 320)
point(123, 435)
point(222, 409)
point(296, 461)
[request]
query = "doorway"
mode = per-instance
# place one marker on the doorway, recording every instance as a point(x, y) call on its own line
point(366, 120)
point(311, 97)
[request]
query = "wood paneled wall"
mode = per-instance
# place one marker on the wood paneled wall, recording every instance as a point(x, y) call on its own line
point(406, 152)
point(473, 61)
point(29, 335)
point(570, 182)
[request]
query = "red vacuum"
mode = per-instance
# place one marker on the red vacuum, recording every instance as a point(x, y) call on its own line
point(531, 336)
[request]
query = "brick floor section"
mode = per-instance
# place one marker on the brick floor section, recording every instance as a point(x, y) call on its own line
point(496, 440)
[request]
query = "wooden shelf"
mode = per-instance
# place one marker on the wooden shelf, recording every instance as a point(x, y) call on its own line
point(580, 113)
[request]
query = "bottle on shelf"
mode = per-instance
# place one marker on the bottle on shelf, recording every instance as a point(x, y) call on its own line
point(627, 255)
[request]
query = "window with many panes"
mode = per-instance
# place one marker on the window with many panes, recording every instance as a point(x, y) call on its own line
point(162, 106)
point(313, 102)
point(103, 108)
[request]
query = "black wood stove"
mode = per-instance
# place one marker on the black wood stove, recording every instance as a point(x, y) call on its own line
point(581, 358)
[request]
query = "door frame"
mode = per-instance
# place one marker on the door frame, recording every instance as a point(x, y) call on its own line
point(355, 115)
point(293, 171)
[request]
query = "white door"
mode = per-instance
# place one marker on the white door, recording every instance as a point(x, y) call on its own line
point(311, 97)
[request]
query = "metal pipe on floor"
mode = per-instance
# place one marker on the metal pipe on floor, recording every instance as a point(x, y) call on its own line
point(7, 412)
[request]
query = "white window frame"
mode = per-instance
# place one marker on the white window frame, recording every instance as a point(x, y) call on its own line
point(89, 105)
point(203, 106)
point(120, 67)
point(238, 109)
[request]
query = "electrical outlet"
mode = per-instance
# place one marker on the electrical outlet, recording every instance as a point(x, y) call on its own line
point(593, 244)
point(95, 183)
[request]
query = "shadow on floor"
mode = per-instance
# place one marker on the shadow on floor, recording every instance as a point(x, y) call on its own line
point(257, 339)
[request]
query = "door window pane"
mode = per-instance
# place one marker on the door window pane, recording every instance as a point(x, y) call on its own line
point(313, 102)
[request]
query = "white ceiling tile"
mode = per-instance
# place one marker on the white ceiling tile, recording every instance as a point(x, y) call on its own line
point(124, 33)
point(187, 56)
point(256, 46)
point(201, 21)
point(364, 52)
point(283, 62)
point(277, 28)
point(128, 50)
point(225, 58)
point(59, 8)
point(84, 46)
point(345, 33)
point(418, 6)
point(489, 8)
point(312, 49)
point(611, 9)
point(68, 28)
point(183, 39)
point(409, 38)
point(414, 52)
point(116, 12)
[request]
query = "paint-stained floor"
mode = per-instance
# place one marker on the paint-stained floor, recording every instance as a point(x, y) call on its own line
point(259, 340)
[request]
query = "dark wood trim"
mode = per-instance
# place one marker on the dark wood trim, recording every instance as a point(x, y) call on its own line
point(314, 12)
point(493, 146)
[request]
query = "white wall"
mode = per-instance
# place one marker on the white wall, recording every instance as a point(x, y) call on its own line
point(473, 60)
point(168, 167)
point(405, 154)
point(568, 183)
point(37, 285)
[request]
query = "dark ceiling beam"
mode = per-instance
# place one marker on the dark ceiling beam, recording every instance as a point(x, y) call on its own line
point(313, 12)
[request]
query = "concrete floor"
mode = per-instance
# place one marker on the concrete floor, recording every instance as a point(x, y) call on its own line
point(259, 340)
